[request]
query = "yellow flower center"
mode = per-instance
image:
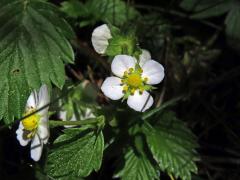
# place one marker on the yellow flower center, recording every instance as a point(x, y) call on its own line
point(30, 123)
point(134, 80)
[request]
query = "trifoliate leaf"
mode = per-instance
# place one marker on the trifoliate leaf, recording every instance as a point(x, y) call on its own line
point(137, 167)
point(33, 46)
point(115, 12)
point(173, 146)
point(77, 153)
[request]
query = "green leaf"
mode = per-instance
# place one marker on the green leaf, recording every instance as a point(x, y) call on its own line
point(205, 8)
point(173, 146)
point(217, 10)
point(137, 167)
point(73, 8)
point(115, 12)
point(233, 23)
point(81, 101)
point(77, 153)
point(33, 46)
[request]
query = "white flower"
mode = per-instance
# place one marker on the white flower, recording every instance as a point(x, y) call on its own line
point(100, 37)
point(35, 128)
point(85, 115)
point(133, 80)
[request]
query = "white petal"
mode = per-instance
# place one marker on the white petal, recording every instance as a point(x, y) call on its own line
point(140, 102)
point(100, 37)
point(122, 63)
point(153, 71)
point(20, 134)
point(111, 88)
point(36, 148)
point(144, 57)
point(44, 99)
point(43, 132)
point(32, 100)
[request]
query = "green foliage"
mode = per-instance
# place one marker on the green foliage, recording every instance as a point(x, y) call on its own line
point(121, 45)
point(80, 102)
point(73, 8)
point(115, 12)
point(173, 146)
point(76, 153)
point(137, 166)
point(232, 22)
point(208, 9)
point(33, 46)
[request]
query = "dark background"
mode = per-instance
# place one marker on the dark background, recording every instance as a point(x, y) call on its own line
point(211, 85)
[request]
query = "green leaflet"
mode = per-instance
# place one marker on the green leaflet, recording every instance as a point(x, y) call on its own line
point(173, 146)
point(206, 8)
point(137, 167)
point(33, 46)
point(233, 23)
point(77, 153)
point(80, 102)
point(115, 12)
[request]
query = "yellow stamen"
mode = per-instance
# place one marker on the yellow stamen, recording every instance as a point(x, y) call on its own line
point(31, 122)
point(133, 91)
point(131, 70)
point(134, 80)
point(141, 89)
point(30, 134)
point(145, 79)
point(125, 88)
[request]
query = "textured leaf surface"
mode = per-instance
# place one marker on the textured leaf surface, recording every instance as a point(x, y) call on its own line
point(116, 12)
point(137, 167)
point(76, 153)
point(33, 46)
point(173, 146)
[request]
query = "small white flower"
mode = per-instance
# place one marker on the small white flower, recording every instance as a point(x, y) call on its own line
point(84, 115)
point(133, 80)
point(35, 128)
point(100, 37)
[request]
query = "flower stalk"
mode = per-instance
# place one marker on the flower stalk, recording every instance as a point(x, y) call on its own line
point(99, 121)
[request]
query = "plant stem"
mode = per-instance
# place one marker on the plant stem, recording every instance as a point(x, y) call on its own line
point(98, 121)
